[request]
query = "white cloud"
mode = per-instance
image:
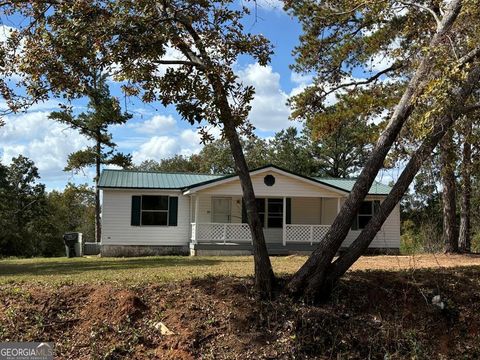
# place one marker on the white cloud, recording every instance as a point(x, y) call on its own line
point(301, 80)
point(155, 125)
point(269, 107)
point(46, 142)
point(161, 147)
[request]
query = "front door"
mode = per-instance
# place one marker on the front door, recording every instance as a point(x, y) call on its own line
point(221, 210)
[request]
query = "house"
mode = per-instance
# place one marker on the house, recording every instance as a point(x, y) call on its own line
point(152, 213)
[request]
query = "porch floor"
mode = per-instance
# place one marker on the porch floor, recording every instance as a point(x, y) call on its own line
point(231, 248)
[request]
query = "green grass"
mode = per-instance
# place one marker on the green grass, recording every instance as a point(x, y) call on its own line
point(133, 270)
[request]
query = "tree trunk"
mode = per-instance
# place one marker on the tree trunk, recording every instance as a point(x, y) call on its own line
point(98, 225)
point(447, 154)
point(310, 277)
point(358, 247)
point(465, 227)
point(264, 276)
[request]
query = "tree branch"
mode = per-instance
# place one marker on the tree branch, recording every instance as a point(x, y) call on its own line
point(364, 82)
point(469, 56)
point(426, 8)
point(470, 108)
point(179, 62)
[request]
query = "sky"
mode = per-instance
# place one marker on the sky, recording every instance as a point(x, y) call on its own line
point(157, 132)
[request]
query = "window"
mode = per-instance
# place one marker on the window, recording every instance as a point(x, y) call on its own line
point(275, 213)
point(221, 210)
point(154, 210)
point(365, 214)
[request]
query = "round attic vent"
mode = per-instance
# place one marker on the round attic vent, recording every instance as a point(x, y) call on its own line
point(269, 180)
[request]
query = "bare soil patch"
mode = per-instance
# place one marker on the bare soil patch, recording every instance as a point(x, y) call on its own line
point(411, 262)
point(372, 314)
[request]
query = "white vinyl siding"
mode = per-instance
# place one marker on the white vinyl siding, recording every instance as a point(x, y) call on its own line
point(117, 228)
point(387, 237)
point(284, 186)
point(306, 211)
point(310, 204)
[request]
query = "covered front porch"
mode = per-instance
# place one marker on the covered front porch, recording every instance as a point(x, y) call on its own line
point(290, 224)
point(296, 212)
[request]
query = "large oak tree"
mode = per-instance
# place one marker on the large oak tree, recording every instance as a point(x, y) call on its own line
point(175, 52)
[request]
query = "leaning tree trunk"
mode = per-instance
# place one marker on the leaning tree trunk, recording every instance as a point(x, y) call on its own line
point(98, 225)
point(264, 276)
point(310, 277)
point(361, 243)
point(465, 213)
point(448, 161)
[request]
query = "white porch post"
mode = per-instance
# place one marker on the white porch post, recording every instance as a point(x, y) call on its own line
point(284, 228)
point(339, 205)
point(196, 217)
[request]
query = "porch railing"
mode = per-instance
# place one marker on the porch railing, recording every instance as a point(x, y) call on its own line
point(240, 233)
point(220, 232)
point(305, 233)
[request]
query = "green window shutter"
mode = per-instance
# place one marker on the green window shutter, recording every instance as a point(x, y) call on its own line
point(288, 215)
point(173, 211)
point(244, 213)
point(136, 204)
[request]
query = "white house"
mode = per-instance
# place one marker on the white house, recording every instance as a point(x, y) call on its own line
point(147, 213)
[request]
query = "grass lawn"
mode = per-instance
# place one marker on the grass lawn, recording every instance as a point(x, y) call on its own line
point(176, 268)
point(134, 270)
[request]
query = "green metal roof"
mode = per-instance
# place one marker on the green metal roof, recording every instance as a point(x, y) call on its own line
point(129, 179)
point(347, 185)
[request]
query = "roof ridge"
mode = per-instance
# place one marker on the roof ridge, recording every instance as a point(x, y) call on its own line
point(163, 172)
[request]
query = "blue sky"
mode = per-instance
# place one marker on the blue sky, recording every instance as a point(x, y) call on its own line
point(155, 132)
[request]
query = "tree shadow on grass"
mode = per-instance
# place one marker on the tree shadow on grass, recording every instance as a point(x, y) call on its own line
point(64, 266)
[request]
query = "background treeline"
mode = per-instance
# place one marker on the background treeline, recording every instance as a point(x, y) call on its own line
point(340, 155)
point(33, 221)
point(440, 213)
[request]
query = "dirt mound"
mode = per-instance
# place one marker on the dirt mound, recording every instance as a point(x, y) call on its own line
point(373, 314)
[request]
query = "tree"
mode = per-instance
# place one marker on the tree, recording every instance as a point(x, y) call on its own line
point(466, 189)
point(177, 163)
point(73, 210)
point(137, 37)
point(292, 151)
point(23, 209)
point(341, 36)
point(216, 157)
point(448, 162)
point(441, 126)
point(104, 110)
